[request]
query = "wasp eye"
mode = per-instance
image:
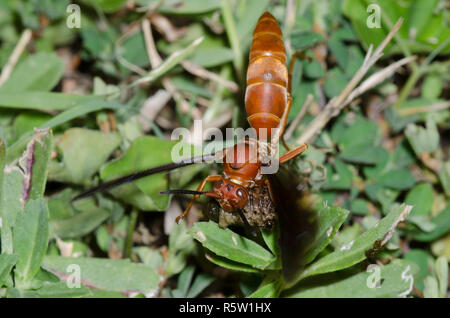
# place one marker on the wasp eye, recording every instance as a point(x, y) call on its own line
point(240, 193)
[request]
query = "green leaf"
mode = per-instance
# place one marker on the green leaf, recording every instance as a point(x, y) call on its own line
point(270, 288)
point(398, 179)
point(444, 177)
point(441, 268)
point(129, 278)
point(202, 281)
point(359, 207)
point(432, 86)
point(188, 6)
point(106, 5)
point(339, 51)
point(393, 280)
point(39, 72)
point(226, 263)
point(7, 261)
point(421, 197)
point(184, 280)
point(144, 153)
point(80, 109)
point(335, 82)
point(442, 226)
point(30, 239)
point(419, 15)
point(431, 289)
point(61, 290)
point(342, 179)
point(424, 261)
point(36, 160)
point(81, 154)
point(423, 139)
point(358, 131)
point(43, 101)
point(314, 69)
point(226, 243)
point(356, 250)
point(363, 154)
point(86, 217)
point(329, 220)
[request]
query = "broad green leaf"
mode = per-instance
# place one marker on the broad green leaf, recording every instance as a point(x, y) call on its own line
point(7, 261)
point(226, 243)
point(144, 153)
point(342, 179)
point(39, 72)
point(88, 217)
point(30, 236)
point(226, 263)
point(106, 5)
point(329, 220)
point(247, 14)
point(358, 131)
point(421, 197)
point(270, 288)
point(339, 51)
point(441, 268)
point(423, 139)
point(43, 101)
point(355, 251)
point(202, 281)
point(150, 257)
point(398, 179)
point(35, 162)
point(363, 154)
point(444, 177)
point(185, 84)
point(424, 261)
point(314, 70)
point(181, 246)
point(188, 6)
point(432, 87)
point(10, 205)
point(185, 280)
point(359, 206)
point(83, 108)
point(335, 82)
point(431, 289)
point(442, 226)
point(419, 15)
point(393, 280)
point(62, 290)
point(129, 278)
point(81, 154)
point(25, 123)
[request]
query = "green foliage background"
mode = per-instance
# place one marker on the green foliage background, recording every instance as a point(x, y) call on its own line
point(77, 110)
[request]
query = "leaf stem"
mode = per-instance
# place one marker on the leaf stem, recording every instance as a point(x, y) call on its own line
point(131, 226)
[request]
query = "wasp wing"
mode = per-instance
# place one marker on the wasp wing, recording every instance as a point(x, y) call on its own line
point(296, 217)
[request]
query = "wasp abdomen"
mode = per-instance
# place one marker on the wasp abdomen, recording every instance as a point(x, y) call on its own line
point(267, 76)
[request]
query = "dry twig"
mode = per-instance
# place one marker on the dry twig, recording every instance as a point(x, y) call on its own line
point(14, 57)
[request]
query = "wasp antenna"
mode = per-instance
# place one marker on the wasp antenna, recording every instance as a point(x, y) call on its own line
point(180, 191)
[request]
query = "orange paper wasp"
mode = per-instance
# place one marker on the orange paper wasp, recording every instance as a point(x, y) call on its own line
point(243, 192)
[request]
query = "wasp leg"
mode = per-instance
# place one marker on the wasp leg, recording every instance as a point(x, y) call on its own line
point(199, 189)
point(293, 153)
point(291, 66)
